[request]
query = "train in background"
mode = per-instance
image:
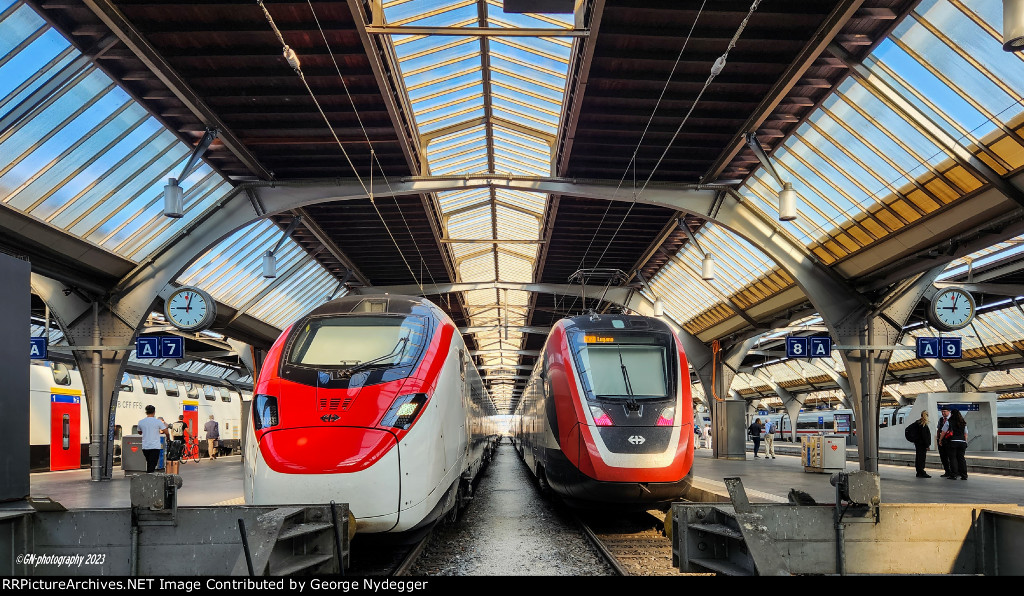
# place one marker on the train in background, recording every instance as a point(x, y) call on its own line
point(606, 418)
point(59, 423)
point(1009, 416)
point(372, 401)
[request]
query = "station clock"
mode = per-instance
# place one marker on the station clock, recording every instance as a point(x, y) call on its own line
point(190, 309)
point(951, 309)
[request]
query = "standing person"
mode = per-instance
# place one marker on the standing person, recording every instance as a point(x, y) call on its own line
point(940, 430)
point(705, 436)
point(957, 446)
point(212, 435)
point(179, 432)
point(754, 432)
point(769, 438)
point(151, 428)
point(919, 433)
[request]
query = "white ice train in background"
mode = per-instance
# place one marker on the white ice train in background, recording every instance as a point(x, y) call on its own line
point(59, 418)
point(1009, 412)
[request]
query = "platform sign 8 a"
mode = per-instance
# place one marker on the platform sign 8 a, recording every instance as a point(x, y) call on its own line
point(796, 347)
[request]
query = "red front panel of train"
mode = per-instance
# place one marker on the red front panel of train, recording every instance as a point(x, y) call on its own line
point(65, 431)
point(329, 431)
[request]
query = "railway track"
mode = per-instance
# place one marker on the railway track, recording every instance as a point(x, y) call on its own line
point(633, 544)
point(379, 558)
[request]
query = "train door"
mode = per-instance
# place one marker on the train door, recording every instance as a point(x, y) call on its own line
point(65, 429)
point(190, 410)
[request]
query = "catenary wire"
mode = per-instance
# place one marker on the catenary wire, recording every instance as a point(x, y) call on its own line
point(293, 61)
point(632, 161)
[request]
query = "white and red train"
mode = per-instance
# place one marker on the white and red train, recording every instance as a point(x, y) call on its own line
point(1009, 416)
point(372, 401)
point(606, 419)
point(59, 415)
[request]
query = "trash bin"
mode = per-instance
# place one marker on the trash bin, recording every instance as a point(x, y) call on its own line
point(133, 461)
point(824, 453)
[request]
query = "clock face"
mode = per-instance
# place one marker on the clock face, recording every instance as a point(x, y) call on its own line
point(189, 309)
point(952, 309)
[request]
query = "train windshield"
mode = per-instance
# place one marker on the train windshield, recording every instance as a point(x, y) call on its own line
point(359, 342)
point(623, 365)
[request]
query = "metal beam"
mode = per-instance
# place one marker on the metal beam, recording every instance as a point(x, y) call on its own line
point(533, 353)
point(519, 328)
point(911, 113)
point(828, 29)
point(155, 62)
point(476, 31)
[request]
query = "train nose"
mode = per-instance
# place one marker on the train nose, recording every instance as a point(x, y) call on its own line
point(325, 450)
point(358, 466)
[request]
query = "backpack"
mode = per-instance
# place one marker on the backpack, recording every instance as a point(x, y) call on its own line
point(911, 432)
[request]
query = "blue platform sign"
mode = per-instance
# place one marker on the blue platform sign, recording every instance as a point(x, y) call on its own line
point(38, 348)
point(147, 347)
point(796, 347)
point(172, 346)
point(821, 347)
point(952, 347)
point(928, 347)
point(963, 407)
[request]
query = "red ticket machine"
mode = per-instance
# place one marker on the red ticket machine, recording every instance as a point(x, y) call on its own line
point(65, 429)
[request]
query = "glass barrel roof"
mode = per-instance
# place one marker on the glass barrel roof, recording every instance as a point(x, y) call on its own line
point(82, 156)
point(486, 104)
point(878, 154)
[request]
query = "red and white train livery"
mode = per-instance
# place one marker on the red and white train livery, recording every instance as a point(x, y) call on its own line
point(372, 401)
point(607, 415)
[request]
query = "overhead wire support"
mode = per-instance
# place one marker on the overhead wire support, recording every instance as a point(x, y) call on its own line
point(716, 69)
point(374, 158)
point(295, 63)
point(643, 135)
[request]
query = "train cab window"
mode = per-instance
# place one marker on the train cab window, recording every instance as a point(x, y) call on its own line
point(623, 365)
point(208, 393)
point(191, 390)
point(170, 388)
point(126, 383)
point(385, 347)
point(61, 375)
point(148, 385)
point(224, 395)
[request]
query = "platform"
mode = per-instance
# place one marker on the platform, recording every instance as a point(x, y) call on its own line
point(220, 482)
point(769, 480)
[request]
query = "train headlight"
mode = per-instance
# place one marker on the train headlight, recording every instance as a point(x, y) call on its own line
point(404, 410)
point(264, 411)
point(668, 415)
point(601, 417)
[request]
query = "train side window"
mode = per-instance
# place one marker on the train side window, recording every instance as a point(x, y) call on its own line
point(117, 432)
point(170, 388)
point(126, 383)
point(191, 390)
point(135, 429)
point(61, 376)
point(224, 395)
point(208, 393)
point(148, 385)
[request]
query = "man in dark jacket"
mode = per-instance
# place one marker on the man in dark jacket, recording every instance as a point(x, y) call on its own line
point(212, 435)
point(922, 437)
